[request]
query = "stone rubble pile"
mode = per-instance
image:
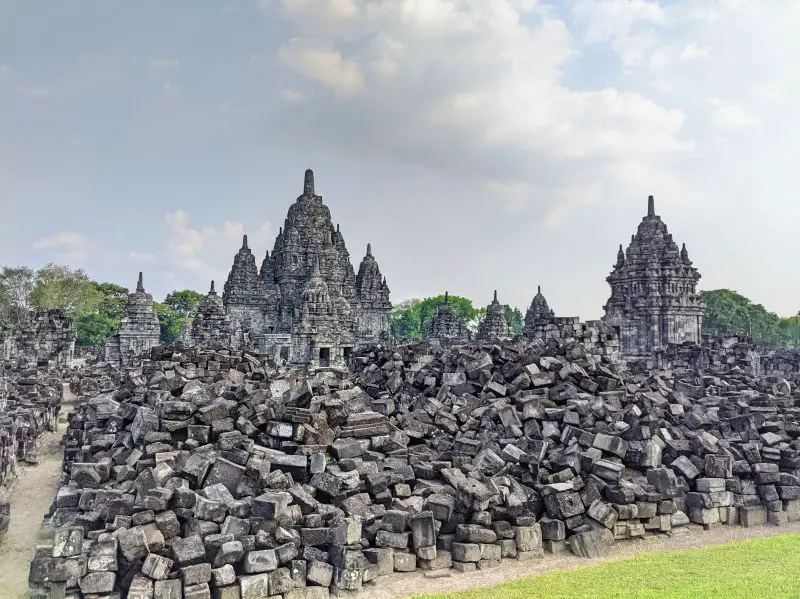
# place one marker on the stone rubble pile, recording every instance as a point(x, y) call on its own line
point(30, 402)
point(208, 474)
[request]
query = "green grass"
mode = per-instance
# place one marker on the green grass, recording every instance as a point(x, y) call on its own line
point(765, 568)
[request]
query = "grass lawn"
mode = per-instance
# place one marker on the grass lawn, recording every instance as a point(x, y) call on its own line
point(764, 568)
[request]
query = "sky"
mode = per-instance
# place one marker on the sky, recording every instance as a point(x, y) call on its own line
point(477, 144)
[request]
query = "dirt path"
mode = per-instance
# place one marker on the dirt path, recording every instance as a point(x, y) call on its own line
point(30, 496)
point(688, 537)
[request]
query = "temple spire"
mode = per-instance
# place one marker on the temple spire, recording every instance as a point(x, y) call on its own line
point(651, 206)
point(140, 284)
point(495, 296)
point(369, 250)
point(244, 242)
point(211, 291)
point(308, 184)
point(446, 297)
point(539, 289)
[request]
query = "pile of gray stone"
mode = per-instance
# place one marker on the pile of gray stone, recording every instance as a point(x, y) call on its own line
point(30, 402)
point(209, 474)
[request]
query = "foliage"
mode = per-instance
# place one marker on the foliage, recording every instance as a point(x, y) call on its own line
point(185, 301)
point(16, 285)
point(170, 322)
point(94, 327)
point(410, 318)
point(755, 569)
point(515, 319)
point(729, 312)
point(58, 287)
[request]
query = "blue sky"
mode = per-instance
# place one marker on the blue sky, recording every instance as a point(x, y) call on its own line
point(478, 144)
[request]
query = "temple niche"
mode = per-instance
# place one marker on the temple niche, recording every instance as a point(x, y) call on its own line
point(139, 329)
point(654, 302)
point(305, 304)
point(447, 327)
point(494, 327)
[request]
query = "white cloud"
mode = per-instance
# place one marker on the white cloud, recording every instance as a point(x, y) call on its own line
point(732, 117)
point(322, 64)
point(206, 253)
point(68, 246)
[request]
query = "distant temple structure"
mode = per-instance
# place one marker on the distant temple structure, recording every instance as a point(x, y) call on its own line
point(211, 327)
point(305, 304)
point(654, 302)
point(494, 326)
point(446, 327)
point(538, 316)
point(139, 329)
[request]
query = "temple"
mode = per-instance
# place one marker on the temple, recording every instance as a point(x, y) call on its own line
point(538, 316)
point(305, 304)
point(211, 327)
point(447, 327)
point(654, 302)
point(139, 329)
point(494, 327)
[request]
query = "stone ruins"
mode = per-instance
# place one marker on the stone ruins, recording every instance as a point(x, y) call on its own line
point(306, 305)
point(205, 474)
point(494, 327)
point(203, 470)
point(139, 329)
point(447, 327)
point(44, 337)
point(211, 327)
point(654, 302)
point(538, 316)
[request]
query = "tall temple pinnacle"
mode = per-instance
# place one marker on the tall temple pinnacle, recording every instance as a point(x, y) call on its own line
point(244, 241)
point(140, 284)
point(654, 302)
point(212, 288)
point(369, 250)
point(308, 183)
point(494, 300)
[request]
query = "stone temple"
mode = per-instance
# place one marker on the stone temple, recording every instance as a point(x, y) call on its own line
point(494, 326)
point(306, 304)
point(654, 302)
point(538, 316)
point(139, 329)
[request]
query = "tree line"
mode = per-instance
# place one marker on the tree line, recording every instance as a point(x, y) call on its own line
point(95, 307)
point(728, 312)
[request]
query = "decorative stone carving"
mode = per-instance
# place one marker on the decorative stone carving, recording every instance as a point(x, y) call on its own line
point(654, 302)
point(494, 326)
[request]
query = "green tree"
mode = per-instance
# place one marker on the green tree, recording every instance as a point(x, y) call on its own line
point(729, 312)
point(170, 321)
point(58, 287)
point(94, 327)
point(515, 319)
point(186, 301)
point(16, 285)
point(410, 319)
